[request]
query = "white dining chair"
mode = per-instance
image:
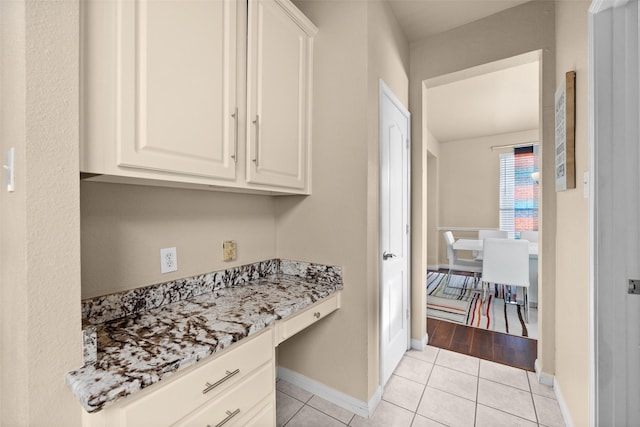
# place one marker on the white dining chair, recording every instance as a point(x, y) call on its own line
point(529, 235)
point(486, 234)
point(459, 264)
point(506, 262)
point(498, 234)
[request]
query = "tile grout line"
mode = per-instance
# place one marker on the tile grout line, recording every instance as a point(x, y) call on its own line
point(507, 385)
point(293, 416)
point(535, 410)
point(331, 416)
point(509, 413)
point(475, 414)
point(424, 390)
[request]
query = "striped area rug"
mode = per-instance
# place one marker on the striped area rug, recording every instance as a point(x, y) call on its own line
point(457, 301)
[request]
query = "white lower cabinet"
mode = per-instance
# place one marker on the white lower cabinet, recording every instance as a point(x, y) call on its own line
point(235, 388)
point(263, 417)
point(232, 385)
point(234, 406)
point(288, 327)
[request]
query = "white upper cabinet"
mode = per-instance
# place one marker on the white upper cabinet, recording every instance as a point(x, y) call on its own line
point(279, 77)
point(169, 93)
point(177, 86)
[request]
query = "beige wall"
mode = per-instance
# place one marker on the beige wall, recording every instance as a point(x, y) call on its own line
point(40, 222)
point(572, 241)
point(470, 181)
point(338, 223)
point(526, 28)
point(125, 226)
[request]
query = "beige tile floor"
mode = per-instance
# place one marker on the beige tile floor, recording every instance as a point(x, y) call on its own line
point(435, 387)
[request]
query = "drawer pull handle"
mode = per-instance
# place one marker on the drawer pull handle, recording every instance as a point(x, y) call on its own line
point(235, 136)
point(229, 416)
point(316, 314)
point(257, 154)
point(210, 387)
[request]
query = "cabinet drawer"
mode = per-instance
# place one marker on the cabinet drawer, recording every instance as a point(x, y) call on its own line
point(231, 407)
point(176, 399)
point(264, 417)
point(291, 326)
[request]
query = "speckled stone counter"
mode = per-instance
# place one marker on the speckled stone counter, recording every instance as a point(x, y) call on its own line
point(136, 338)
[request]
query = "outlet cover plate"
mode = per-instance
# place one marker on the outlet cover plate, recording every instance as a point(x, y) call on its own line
point(168, 260)
point(229, 250)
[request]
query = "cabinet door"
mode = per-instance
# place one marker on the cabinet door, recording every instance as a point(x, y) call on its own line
point(177, 86)
point(279, 94)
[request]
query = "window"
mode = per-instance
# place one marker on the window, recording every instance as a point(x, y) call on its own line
point(518, 190)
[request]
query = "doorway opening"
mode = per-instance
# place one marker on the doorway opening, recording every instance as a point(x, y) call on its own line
point(477, 123)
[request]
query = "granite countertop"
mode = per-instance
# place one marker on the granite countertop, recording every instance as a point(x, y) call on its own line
point(140, 349)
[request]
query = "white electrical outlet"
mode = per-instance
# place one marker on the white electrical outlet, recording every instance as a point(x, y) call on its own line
point(168, 260)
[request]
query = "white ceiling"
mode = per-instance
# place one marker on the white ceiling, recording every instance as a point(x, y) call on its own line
point(423, 18)
point(499, 102)
point(502, 101)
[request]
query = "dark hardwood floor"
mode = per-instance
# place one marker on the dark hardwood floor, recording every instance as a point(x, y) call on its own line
point(495, 346)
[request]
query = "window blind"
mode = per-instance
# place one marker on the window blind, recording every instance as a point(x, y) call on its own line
point(518, 191)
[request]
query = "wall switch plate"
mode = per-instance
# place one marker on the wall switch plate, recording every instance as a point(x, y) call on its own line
point(228, 250)
point(10, 176)
point(168, 260)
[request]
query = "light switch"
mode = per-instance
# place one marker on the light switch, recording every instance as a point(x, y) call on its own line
point(9, 170)
point(228, 250)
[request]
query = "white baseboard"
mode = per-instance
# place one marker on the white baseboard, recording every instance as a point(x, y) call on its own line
point(543, 377)
point(563, 406)
point(358, 407)
point(420, 344)
point(550, 380)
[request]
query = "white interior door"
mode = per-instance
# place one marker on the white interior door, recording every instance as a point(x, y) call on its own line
point(614, 38)
point(394, 236)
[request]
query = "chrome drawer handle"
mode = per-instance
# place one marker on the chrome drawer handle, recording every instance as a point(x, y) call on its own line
point(316, 314)
point(210, 387)
point(257, 123)
point(235, 135)
point(226, 420)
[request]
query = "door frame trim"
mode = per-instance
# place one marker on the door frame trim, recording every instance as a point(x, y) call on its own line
point(385, 91)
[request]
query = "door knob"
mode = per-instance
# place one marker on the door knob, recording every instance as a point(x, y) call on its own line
point(386, 255)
